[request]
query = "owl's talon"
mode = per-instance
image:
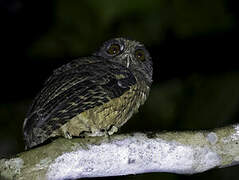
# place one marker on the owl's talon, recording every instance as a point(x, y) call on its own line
point(112, 130)
point(67, 135)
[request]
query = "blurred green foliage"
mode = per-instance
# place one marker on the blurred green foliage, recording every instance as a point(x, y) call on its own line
point(80, 26)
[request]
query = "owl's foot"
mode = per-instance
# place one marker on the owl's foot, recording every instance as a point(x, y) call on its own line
point(112, 130)
point(67, 135)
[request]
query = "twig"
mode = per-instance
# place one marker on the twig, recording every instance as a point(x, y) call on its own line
point(175, 152)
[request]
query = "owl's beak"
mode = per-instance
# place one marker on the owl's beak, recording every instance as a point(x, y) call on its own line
point(128, 61)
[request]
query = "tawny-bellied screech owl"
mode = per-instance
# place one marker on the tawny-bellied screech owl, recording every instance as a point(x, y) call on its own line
point(91, 96)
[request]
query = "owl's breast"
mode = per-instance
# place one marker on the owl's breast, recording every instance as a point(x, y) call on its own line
point(107, 117)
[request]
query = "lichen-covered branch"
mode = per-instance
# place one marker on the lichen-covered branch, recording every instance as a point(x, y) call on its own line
point(176, 152)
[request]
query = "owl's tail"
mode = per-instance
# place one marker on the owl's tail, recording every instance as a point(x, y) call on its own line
point(32, 135)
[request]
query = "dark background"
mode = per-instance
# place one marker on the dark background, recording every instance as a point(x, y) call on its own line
point(194, 45)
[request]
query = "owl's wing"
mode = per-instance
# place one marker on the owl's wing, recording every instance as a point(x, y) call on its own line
point(74, 88)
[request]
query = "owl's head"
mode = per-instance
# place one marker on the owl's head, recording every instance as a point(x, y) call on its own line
point(129, 53)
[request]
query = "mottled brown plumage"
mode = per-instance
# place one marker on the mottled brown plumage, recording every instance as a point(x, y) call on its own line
point(92, 95)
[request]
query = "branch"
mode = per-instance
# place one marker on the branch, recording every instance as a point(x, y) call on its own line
point(175, 152)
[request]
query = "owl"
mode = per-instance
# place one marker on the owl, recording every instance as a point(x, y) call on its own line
point(91, 96)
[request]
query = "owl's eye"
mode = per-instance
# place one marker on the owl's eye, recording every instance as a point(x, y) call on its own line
point(113, 49)
point(139, 54)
